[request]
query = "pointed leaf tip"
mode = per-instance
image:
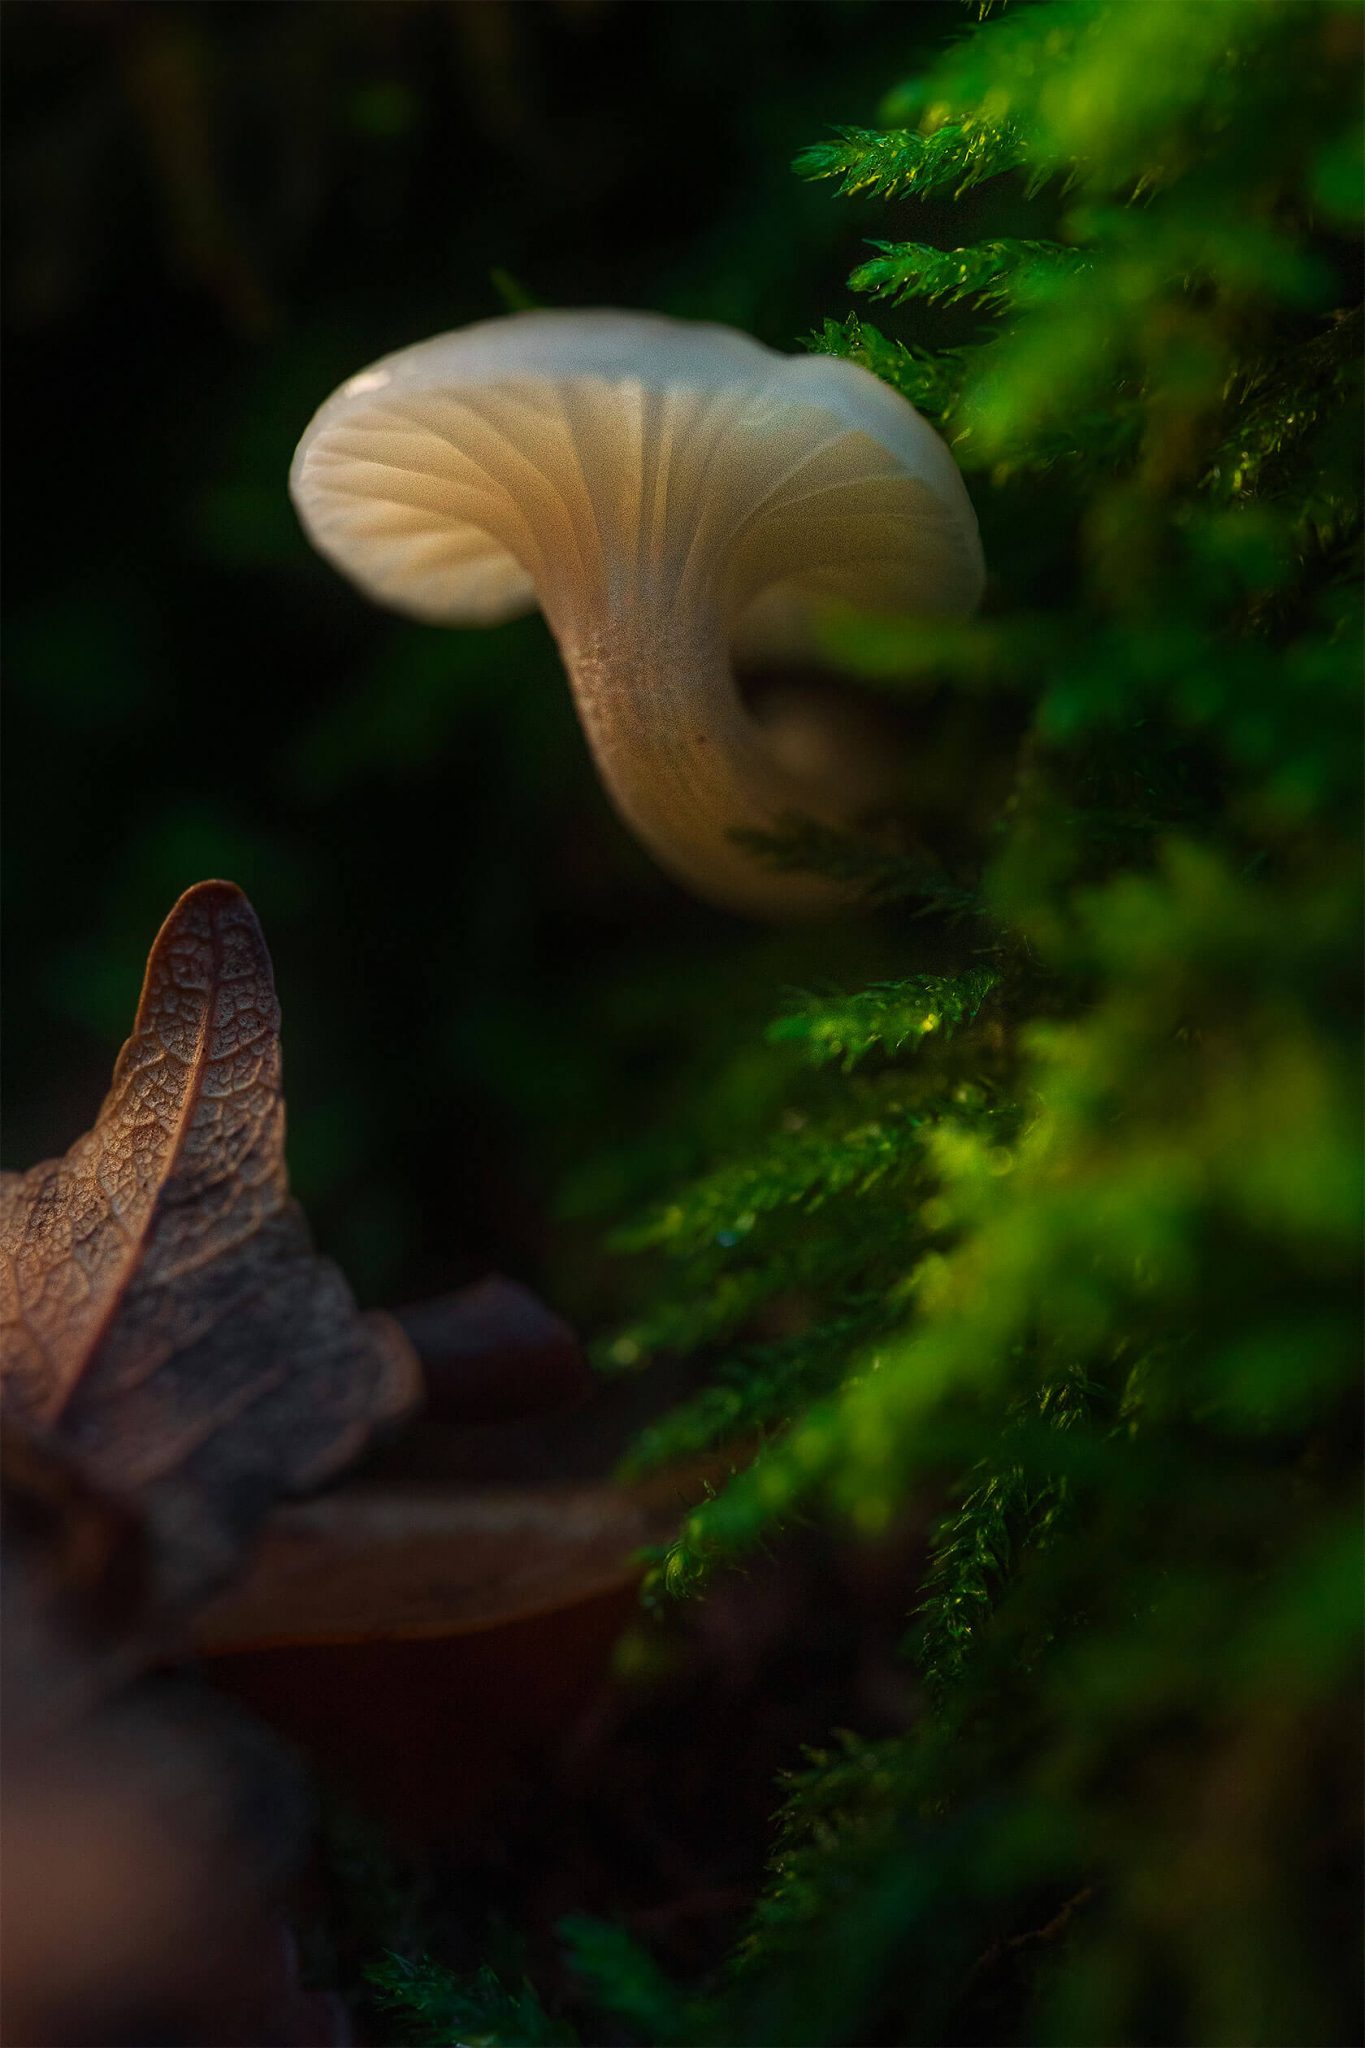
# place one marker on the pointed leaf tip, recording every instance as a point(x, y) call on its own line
point(163, 1315)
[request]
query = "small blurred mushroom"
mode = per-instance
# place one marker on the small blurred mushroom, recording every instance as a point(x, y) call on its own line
point(493, 1352)
point(663, 490)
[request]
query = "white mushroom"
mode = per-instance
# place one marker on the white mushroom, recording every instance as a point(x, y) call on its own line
point(647, 482)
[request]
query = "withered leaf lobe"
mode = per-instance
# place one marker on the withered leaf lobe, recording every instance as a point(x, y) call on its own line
point(163, 1315)
point(381, 1563)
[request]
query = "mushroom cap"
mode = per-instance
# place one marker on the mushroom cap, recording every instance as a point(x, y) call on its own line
point(588, 461)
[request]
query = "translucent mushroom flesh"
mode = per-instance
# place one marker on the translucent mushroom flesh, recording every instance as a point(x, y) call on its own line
point(655, 486)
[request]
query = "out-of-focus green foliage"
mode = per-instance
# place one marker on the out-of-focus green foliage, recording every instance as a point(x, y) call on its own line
point(481, 2012)
point(885, 1018)
point(1086, 1269)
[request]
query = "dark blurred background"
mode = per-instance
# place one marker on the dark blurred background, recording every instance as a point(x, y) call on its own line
point(214, 214)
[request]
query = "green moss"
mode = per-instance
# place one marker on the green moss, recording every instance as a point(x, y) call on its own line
point(1094, 1253)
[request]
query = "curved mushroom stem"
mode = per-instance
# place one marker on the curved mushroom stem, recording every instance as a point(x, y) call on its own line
point(687, 766)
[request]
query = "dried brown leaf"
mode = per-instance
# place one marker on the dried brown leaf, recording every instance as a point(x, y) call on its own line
point(163, 1315)
point(149, 1831)
point(73, 1592)
point(380, 1563)
point(147, 1851)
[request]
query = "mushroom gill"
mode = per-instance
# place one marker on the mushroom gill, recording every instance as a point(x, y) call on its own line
point(656, 487)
